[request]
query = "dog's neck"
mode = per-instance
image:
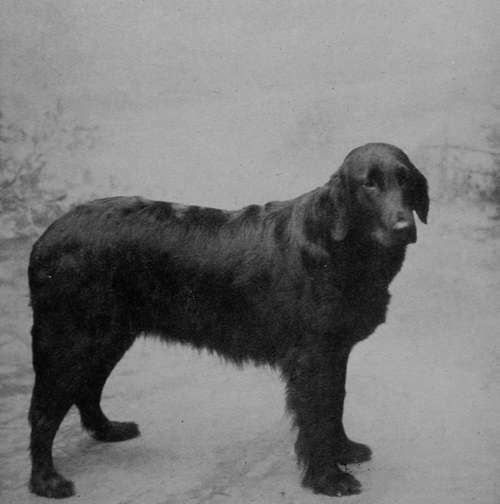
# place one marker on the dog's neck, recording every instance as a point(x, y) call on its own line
point(380, 262)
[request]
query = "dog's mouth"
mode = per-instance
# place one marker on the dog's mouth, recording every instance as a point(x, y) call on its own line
point(407, 236)
point(393, 238)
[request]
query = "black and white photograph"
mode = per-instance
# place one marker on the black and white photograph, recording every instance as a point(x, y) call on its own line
point(250, 252)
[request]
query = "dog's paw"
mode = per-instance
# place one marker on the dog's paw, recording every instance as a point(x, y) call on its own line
point(350, 452)
point(52, 485)
point(117, 431)
point(334, 483)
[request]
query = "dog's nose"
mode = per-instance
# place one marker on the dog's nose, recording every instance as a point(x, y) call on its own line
point(405, 231)
point(401, 225)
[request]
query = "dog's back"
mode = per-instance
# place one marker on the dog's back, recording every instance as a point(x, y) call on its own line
point(201, 275)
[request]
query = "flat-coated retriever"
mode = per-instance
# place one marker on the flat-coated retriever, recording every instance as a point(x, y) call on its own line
point(293, 284)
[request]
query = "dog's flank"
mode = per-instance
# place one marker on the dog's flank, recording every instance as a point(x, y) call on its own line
point(292, 284)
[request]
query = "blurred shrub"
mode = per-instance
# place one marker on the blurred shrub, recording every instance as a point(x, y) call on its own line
point(465, 172)
point(27, 203)
point(493, 138)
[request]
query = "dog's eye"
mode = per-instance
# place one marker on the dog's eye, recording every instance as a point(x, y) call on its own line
point(374, 180)
point(402, 177)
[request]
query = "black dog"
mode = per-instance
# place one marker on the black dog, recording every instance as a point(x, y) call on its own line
point(293, 284)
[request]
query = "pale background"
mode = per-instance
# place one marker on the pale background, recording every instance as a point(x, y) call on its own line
point(228, 103)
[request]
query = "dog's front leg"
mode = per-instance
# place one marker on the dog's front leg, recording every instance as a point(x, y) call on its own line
point(345, 451)
point(315, 377)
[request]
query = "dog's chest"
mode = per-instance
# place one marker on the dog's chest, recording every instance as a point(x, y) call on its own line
point(366, 296)
point(353, 298)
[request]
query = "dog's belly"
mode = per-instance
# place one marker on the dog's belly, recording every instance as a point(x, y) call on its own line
point(237, 325)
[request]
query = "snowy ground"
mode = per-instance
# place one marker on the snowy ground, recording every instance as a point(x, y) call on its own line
point(422, 391)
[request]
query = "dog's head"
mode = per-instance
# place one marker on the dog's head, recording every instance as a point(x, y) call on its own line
point(375, 193)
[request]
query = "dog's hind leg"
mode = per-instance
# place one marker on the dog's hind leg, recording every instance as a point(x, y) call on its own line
point(71, 367)
point(49, 405)
point(53, 395)
point(89, 397)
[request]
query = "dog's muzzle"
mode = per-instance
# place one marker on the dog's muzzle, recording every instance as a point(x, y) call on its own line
point(404, 232)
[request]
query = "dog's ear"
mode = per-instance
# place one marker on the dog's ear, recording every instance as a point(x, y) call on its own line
point(339, 199)
point(419, 194)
